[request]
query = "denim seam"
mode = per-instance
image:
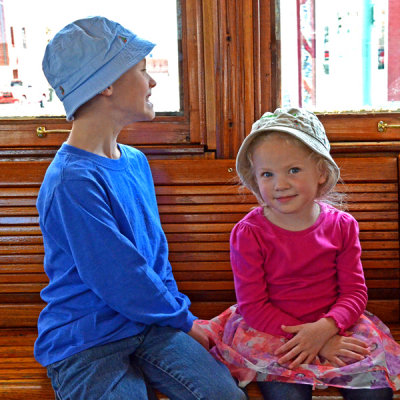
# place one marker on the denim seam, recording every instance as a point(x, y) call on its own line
point(169, 374)
point(58, 394)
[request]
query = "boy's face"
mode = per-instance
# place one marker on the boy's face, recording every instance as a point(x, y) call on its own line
point(132, 91)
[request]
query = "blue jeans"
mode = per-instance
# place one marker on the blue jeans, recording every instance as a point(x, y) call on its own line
point(162, 358)
point(296, 391)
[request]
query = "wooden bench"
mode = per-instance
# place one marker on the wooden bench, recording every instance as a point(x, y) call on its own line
point(199, 203)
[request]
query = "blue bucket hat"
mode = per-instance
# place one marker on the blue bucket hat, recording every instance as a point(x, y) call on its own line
point(87, 56)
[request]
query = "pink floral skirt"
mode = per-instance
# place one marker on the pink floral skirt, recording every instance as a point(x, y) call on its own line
point(249, 355)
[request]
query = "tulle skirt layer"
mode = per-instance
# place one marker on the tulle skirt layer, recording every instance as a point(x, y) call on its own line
point(249, 355)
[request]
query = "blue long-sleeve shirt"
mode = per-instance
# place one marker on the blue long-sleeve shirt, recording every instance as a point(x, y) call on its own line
point(106, 254)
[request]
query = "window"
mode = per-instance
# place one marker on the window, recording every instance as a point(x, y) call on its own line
point(26, 26)
point(340, 55)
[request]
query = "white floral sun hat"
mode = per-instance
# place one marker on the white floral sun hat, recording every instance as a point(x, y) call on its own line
point(300, 123)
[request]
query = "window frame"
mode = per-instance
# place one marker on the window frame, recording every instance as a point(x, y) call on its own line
point(183, 129)
point(231, 76)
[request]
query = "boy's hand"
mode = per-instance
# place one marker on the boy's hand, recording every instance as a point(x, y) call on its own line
point(345, 346)
point(308, 341)
point(198, 334)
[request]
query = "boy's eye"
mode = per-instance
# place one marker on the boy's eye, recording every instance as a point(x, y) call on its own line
point(294, 170)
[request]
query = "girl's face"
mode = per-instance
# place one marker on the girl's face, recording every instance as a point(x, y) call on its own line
point(133, 90)
point(288, 179)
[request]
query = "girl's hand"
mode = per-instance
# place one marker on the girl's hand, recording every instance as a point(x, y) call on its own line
point(198, 334)
point(345, 346)
point(307, 342)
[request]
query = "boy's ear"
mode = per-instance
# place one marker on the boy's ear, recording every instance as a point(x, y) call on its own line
point(107, 91)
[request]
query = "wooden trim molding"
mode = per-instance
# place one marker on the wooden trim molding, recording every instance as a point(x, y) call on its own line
point(362, 127)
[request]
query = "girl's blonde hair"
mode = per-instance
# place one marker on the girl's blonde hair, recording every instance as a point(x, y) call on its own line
point(326, 192)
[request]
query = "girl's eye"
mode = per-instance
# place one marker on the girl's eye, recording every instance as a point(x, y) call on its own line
point(294, 170)
point(266, 174)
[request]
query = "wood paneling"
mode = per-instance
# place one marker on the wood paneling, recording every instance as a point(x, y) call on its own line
point(199, 202)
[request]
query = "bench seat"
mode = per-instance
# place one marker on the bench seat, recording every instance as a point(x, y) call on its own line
point(22, 378)
point(199, 203)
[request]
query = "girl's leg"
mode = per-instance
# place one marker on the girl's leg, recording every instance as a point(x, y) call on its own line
point(367, 394)
point(285, 391)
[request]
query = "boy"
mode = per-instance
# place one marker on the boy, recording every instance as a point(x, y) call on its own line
point(115, 324)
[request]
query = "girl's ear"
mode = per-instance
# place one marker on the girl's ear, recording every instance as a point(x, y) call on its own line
point(323, 178)
point(323, 170)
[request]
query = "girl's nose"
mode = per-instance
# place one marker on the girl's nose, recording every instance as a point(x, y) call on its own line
point(280, 183)
point(152, 82)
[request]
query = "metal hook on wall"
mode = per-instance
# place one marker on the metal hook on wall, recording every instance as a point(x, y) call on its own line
point(42, 132)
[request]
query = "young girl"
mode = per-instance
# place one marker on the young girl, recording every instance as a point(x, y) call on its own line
point(300, 320)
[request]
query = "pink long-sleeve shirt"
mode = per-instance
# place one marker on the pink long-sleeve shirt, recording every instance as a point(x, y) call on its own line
point(290, 278)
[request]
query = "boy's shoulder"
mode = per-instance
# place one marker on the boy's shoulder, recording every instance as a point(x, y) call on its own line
point(130, 150)
point(71, 162)
point(71, 166)
point(132, 154)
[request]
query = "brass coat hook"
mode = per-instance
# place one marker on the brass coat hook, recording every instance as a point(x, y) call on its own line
point(382, 126)
point(42, 132)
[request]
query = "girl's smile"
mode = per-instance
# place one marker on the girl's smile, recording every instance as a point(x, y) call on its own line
point(285, 199)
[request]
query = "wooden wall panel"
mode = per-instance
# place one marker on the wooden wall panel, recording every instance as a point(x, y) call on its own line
point(199, 203)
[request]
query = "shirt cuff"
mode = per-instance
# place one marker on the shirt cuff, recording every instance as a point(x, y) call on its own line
point(342, 329)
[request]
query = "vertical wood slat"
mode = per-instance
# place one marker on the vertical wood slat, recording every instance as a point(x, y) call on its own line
point(238, 74)
point(268, 51)
point(238, 104)
point(228, 58)
point(211, 70)
point(192, 40)
point(230, 68)
point(248, 84)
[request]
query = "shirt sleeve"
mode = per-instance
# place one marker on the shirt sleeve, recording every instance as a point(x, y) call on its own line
point(109, 263)
point(247, 260)
point(352, 291)
point(170, 283)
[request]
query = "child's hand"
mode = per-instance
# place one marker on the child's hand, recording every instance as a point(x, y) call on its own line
point(307, 342)
point(343, 346)
point(198, 334)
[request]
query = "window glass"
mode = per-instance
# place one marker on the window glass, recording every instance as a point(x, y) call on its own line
point(340, 55)
point(26, 26)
